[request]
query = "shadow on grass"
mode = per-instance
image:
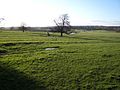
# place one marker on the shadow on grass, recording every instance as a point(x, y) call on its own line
point(11, 79)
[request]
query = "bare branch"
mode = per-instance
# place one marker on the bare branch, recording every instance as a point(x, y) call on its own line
point(63, 24)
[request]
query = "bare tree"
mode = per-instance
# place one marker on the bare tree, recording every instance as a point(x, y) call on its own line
point(1, 19)
point(23, 27)
point(12, 28)
point(63, 24)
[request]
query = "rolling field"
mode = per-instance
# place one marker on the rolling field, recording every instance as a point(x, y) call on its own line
point(82, 61)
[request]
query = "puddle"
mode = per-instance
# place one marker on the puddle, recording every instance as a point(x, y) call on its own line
point(72, 33)
point(50, 48)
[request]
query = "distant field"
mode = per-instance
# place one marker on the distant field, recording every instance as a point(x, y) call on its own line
point(82, 61)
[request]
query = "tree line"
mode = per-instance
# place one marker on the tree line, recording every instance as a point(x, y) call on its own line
point(62, 25)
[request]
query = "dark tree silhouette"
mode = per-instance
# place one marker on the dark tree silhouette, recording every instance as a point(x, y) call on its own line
point(23, 27)
point(63, 24)
point(12, 28)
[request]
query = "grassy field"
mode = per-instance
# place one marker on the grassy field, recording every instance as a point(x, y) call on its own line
point(82, 61)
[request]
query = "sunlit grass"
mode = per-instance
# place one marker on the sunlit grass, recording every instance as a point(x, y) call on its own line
point(86, 60)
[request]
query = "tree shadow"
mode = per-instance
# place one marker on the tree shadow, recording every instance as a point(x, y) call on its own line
point(11, 79)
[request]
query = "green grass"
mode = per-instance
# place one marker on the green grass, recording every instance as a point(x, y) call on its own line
point(83, 61)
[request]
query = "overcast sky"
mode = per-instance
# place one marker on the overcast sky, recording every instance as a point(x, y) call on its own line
point(43, 12)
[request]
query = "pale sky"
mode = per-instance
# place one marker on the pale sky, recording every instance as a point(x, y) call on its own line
point(43, 12)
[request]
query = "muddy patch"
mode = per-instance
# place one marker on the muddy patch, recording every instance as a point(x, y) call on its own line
point(8, 44)
point(107, 55)
point(2, 52)
point(13, 44)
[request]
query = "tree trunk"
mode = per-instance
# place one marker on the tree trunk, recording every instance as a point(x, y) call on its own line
point(48, 33)
point(61, 31)
point(61, 34)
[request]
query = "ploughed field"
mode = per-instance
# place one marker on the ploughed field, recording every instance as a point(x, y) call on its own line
point(83, 61)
